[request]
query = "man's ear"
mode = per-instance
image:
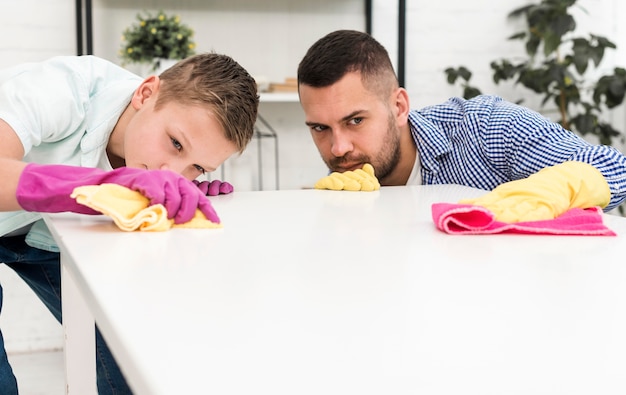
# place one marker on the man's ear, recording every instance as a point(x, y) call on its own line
point(401, 106)
point(148, 89)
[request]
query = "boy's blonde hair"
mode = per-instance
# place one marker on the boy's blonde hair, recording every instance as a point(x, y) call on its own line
point(221, 84)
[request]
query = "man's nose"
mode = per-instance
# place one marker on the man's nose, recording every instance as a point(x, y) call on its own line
point(341, 143)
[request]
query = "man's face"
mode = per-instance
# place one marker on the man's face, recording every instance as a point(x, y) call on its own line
point(185, 139)
point(352, 126)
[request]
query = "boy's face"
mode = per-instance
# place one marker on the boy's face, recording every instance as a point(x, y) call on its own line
point(185, 139)
point(352, 126)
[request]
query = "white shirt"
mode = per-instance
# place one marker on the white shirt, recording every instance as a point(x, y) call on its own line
point(63, 111)
point(416, 175)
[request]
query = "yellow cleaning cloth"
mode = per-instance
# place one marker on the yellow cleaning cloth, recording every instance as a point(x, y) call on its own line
point(357, 180)
point(130, 210)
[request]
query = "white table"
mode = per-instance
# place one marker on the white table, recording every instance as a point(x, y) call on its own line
point(324, 292)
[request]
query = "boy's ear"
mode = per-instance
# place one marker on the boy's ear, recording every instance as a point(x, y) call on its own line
point(148, 88)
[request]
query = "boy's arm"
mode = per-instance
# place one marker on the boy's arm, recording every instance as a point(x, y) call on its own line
point(11, 166)
point(47, 188)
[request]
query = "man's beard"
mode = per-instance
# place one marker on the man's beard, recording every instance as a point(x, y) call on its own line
point(385, 161)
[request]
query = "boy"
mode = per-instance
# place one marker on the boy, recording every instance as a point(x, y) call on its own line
point(357, 113)
point(73, 121)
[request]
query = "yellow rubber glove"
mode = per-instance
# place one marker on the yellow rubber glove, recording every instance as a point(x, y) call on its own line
point(547, 194)
point(357, 180)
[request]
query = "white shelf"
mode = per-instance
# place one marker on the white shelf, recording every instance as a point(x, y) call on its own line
point(279, 97)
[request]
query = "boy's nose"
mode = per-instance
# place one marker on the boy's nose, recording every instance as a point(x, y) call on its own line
point(180, 168)
point(172, 167)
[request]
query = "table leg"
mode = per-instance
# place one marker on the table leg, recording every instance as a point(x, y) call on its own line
point(80, 338)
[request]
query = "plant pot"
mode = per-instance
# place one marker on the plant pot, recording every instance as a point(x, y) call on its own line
point(146, 69)
point(164, 64)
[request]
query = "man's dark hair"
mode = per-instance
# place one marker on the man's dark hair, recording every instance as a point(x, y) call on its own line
point(344, 51)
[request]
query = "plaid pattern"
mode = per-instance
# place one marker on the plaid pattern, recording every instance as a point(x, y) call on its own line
point(486, 141)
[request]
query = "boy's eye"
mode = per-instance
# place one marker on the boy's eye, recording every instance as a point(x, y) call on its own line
point(200, 169)
point(176, 144)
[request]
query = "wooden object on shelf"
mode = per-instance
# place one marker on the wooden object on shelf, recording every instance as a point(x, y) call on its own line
point(290, 85)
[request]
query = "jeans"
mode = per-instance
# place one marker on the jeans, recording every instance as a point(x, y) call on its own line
point(41, 270)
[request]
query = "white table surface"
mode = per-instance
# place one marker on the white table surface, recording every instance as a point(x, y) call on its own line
point(326, 292)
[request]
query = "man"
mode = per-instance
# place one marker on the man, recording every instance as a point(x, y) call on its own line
point(357, 113)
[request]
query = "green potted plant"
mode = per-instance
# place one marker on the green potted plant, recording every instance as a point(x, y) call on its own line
point(155, 38)
point(560, 68)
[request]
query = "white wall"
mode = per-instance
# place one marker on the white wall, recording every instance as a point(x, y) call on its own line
point(30, 36)
point(269, 38)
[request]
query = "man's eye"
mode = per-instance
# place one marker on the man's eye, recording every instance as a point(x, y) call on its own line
point(319, 128)
point(176, 144)
point(356, 121)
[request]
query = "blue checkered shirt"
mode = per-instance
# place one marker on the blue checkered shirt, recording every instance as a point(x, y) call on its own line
point(486, 141)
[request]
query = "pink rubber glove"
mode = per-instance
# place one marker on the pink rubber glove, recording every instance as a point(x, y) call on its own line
point(214, 188)
point(47, 189)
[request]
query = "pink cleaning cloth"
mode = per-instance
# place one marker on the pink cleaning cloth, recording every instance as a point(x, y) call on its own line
point(467, 219)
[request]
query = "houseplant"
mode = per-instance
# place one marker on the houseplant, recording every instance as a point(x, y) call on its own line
point(156, 37)
point(560, 67)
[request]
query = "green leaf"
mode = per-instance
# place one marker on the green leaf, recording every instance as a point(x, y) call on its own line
point(562, 25)
point(606, 132)
point(470, 92)
point(585, 123)
point(603, 42)
point(464, 73)
point(517, 36)
point(616, 88)
point(551, 43)
point(581, 61)
point(451, 75)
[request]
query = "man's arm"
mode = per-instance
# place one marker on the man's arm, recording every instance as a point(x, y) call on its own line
point(532, 142)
